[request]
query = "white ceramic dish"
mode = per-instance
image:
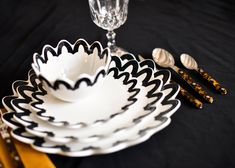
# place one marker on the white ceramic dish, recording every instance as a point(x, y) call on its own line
point(70, 70)
point(138, 133)
point(143, 107)
point(112, 101)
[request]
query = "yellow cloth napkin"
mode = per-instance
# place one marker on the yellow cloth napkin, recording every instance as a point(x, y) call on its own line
point(32, 158)
point(29, 156)
point(4, 156)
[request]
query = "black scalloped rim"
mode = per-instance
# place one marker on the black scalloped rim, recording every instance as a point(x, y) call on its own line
point(9, 117)
point(56, 52)
point(148, 62)
point(6, 101)
point(151, 64)
point(166, 78)
point(27, 99)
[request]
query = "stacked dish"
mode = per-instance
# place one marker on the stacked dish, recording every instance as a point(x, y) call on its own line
point(132, 102)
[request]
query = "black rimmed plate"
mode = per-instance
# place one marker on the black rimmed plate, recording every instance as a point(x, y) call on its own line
point(135, 135)
point(147, 125)
point(146, 101)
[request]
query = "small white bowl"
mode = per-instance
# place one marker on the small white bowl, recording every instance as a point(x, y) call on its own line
point(69, 71)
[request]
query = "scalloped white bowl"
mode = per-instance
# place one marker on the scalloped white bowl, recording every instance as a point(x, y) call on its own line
point(69, 71)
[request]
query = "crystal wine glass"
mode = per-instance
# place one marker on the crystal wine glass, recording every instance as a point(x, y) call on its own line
point(110, 15)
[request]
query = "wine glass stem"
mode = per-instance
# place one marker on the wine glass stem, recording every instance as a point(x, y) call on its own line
point(111, 40)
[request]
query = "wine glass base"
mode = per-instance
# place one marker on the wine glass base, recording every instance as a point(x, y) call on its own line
point(118, 51)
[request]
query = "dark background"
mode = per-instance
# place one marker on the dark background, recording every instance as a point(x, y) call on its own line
point(205, 29)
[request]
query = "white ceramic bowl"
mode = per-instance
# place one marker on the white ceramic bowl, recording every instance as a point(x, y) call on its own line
point(69, 71)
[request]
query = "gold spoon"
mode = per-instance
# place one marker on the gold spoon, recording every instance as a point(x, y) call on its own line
point(190, 63)
point(164, 59)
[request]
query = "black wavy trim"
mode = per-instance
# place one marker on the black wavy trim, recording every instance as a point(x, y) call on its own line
point(35, 88)
point(147, 62)
point(57, 83)
point(71, 49)
point(167, 99)
point(166, 74)
point(146, 82)
point(6, 101)
point(151, 64)
point(8, 116)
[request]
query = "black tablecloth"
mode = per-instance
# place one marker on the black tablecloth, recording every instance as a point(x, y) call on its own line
point(205, 29)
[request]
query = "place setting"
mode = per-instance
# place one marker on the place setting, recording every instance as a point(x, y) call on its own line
point(147, 102)
point(82, 99)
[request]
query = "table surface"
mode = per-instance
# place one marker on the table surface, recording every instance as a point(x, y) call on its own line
point(205, 29)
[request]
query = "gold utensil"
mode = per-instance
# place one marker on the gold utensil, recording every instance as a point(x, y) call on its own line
point(164, 59)
point(190, 63)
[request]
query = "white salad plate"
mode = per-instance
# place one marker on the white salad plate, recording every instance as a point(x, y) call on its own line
point(135, 128)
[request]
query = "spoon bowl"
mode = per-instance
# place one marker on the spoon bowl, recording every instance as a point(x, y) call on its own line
point(188, 61)
point(163, 58)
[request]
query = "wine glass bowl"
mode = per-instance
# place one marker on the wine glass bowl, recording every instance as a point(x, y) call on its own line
point(109, 15)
